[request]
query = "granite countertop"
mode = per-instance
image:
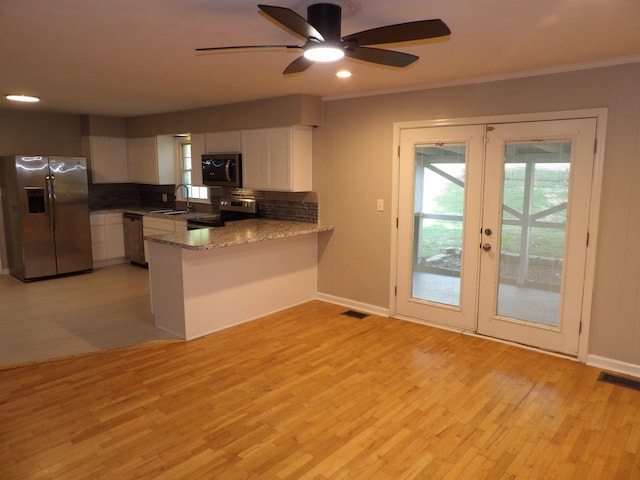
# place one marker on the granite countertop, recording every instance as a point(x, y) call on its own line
point(238, 233)
point(149, 212)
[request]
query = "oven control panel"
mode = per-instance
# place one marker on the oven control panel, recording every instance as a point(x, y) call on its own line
point(244, 205)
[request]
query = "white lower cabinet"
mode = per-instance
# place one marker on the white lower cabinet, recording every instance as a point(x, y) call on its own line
point(107, 238)
point(160, 226)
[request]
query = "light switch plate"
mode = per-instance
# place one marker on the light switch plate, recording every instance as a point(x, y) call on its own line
point(380, 205)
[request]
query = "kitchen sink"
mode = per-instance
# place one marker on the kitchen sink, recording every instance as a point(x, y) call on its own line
point(169, 212)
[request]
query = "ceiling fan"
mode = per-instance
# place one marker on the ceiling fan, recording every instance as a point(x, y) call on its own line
point(321, 30)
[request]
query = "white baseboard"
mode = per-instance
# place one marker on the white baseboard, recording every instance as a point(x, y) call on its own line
point(592, 360)
point(345, 302)
point(613, 365)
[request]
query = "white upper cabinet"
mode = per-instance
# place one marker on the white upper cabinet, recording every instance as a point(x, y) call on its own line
point(107, 158)
point(152, 160)
point(277, 159)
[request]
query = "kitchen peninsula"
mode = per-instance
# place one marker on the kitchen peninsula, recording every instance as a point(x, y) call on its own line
point(209, 279)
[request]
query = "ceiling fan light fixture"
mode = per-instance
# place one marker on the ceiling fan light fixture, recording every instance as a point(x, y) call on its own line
point(21, 98)
point(323, 53)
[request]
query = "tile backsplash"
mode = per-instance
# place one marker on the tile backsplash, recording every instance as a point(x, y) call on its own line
point(293, 206)
point(113, 195)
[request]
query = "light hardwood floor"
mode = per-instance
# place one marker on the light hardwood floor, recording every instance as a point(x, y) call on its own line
point(309, 393)
point(107, 308)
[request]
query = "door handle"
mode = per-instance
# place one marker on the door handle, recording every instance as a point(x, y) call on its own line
point(50, 194)
point(486, 247)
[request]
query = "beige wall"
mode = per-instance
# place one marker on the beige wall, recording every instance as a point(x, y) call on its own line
point(39, 133)
point(271, 112)
point(104, 126)
point(352, 168)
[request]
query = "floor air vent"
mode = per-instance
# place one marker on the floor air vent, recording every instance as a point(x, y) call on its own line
point(620, 381)
point(354, 314)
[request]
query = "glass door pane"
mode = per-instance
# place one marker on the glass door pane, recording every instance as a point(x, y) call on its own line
point(438, 222)
point(534, 212)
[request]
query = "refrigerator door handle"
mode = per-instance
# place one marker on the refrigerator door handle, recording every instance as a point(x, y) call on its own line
point(50, 200)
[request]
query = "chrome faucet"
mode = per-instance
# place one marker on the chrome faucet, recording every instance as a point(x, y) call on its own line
point(186, 189)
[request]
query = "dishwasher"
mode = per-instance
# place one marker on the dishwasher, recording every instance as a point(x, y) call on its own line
point(133, 238)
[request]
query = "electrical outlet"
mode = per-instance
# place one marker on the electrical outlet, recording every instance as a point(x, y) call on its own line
point(164, 197)
point(380, 205)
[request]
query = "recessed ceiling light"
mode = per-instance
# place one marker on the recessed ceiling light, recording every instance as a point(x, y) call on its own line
point(22, 98)
point(343, 74)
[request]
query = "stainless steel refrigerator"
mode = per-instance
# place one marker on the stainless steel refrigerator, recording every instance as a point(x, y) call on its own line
point(46, 215)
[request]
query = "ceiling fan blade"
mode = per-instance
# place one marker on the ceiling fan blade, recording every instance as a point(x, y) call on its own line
point(241, 47)
point(401, 32)
point(382, 57)
point(299, 65)
point(292, 21)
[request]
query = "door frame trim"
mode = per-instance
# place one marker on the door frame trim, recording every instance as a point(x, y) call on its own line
point(600, 114)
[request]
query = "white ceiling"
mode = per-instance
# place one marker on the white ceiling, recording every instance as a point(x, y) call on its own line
point(135, 57)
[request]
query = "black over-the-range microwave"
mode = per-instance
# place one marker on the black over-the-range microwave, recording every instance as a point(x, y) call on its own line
point(222, 169)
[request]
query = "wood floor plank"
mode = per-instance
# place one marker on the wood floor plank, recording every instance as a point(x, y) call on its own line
point(310, 393)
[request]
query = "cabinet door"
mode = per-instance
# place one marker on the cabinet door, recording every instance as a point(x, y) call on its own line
point(152, 160)
point(99, 155)
point(142, 163)
point(98, 236)
point(108, 158)
point(165, 159)
point(118, 159)
point(277, 159)
point(115, 235)
point(255, 159)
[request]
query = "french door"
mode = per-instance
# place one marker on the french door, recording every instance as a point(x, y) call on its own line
point(493, 228)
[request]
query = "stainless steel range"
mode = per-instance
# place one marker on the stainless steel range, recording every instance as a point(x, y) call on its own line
point(231, 209)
